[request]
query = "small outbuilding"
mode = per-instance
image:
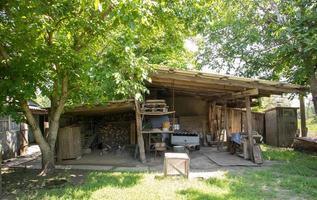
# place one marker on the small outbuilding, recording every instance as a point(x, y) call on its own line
point(281, 126)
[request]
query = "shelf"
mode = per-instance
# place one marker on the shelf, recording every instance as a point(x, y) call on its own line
point(157, 131)
point(157, 113)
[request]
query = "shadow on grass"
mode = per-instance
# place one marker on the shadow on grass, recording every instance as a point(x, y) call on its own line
point(94, 182)
point(32, 186)
point(297, 175)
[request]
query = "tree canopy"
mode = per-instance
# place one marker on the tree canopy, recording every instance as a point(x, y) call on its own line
point(104, 48)
point(84, 52)
point(270, 39)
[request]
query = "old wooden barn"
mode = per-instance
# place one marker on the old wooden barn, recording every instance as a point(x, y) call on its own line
point(183, 108)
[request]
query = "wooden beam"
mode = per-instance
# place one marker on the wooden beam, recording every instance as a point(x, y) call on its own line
point(242, 94)
point(210, 86)
point(198, 87)
point(302, 116)
point(249, 126)
point(138, 122)
point(195, 93)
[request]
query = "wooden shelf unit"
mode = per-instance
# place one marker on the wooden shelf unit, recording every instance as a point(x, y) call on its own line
point(149, 132)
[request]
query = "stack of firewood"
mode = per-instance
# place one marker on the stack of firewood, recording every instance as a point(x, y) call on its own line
point(113, 134)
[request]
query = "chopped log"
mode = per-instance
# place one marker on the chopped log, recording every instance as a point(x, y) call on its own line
point(305, 144)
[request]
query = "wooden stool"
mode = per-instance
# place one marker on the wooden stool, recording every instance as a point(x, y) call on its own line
point(176, 164)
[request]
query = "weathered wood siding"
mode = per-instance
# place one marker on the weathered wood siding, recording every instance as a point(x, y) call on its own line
point(69, 142)
point(281, 126)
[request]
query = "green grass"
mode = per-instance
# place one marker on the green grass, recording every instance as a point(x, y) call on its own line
point(294, 175)
point(311, 124)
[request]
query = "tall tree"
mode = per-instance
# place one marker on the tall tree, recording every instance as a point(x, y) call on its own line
point(82, 51)
point(272, 39)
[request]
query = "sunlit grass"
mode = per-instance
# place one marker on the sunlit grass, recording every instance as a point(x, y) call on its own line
point(294, 175)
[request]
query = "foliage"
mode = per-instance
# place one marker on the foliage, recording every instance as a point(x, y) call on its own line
point(105, 48)
point(266, 103)
point(270, 39)
point(83, 52)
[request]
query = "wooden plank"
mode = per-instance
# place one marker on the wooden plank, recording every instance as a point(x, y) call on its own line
point(24, 138)
point(302, 116)
point(138, 122)
point(249, 125)
point(193, 85)
point(210, 122)
point(213, 120)
point(242, 94)
point(69, 143)
point(271, 127)
point(157, 113)
point(150, 131)
point(155, 101)
point(200, 88)
point(132, 132)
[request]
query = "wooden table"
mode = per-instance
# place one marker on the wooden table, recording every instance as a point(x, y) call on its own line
point(176, 164)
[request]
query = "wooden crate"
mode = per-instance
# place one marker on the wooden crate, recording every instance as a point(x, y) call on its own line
point(69, 143)
point(176, 164)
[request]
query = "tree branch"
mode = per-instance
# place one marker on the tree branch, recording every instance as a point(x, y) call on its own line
point(56, 112)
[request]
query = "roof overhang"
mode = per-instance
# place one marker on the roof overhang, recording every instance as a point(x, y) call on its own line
point(218, 87)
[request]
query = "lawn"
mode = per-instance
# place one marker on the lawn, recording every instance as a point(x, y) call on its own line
point(293, 177)
point(311, 124)
point(312, 127)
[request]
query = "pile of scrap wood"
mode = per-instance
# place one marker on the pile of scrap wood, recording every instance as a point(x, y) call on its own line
point(305, 144)
point(113, 134)
point(156, 105)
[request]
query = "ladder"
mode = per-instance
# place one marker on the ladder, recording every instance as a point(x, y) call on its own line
point(221, 138)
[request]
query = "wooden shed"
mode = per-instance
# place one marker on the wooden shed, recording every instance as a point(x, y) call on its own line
point(281, 126)
point(201, 104)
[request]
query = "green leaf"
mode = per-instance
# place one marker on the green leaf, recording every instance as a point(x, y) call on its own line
point(97, 4)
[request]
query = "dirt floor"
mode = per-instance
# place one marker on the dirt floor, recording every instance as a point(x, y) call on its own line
point(206, 159)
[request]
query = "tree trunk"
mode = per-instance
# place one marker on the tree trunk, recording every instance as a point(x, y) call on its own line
point(46, 150)
point(313, 89)
point(48, 161)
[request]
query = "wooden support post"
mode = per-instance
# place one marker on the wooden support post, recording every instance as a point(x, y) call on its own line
point(226, 124)
point(302, 116)
point(249, 125)
point(138, 122)
point(210, 122)
point(24, 141)
point(206, 130)
point(213, 118)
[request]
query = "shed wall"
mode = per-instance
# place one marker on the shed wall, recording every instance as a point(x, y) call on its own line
point(281, 126)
